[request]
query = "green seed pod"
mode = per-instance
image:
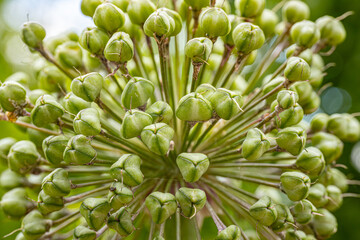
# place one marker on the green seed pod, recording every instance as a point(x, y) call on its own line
point(134, 122)
point(226, 103)
point(197, 5)
point(57, 183)
point(47, 110)
point(48, 204)
point(93, 40)
point(297, 69)
point(140, 10)
point(214, 22)
point(318, 195)
point(290, 116)
point(324, 224)
point(159, 24)
point(15, 203)
point(51, 79)
point(264, 211)
point(304, 91)
point(69, 55)
point(295, 184)
point(194, 107)
point(332, 30)
point(74, 104)
point(84, 233)
point(307, 54)
point(270, 86)
point(35, 94)
point(130, 28)
point(267, 21)
point(20, 236)
point(330, 145)
point(319, 122)
point(32, 34)
point(190, 200)
point(127, 170)
point(161, 206)
point(34, 225)
point(232, 232)
point(79, 151)
point(88, 7)
point(334, 195)
point(120, 48)
point(177, 20)
point(10, 179)
point(250, 8)
point(119, 195)
point(157, 137)
point(122, 4)
point(313, 104)
point(255, 144)
point(87, 122)
point(88, 87)
point(37, 137)
point(295, 11)
point(95, 211)
point(292, 139)
point(5, 145)
point(192, 165)
point(234, 21)
point(23, 157)
point(12, 96)
point(137, 92)
point(344, 126)
point(248, 37)
point(121, 222)
point(109, 17)
point(19, 77)
point(160, 112)
point(305, 33)
point(335, 177)
point(54, 147)
point(199, 49)
point(206, 90)
point(284, 217)
point(316, 77)
point(292, 234)
point(303, 211)
point(311, 161)
point(287, 99)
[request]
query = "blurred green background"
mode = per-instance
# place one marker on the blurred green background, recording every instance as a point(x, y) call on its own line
point(343, 96)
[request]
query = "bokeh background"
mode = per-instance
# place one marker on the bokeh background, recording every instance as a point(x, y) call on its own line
point(59, 16)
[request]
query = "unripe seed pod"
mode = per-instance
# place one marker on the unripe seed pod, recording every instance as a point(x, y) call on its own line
point(264, 211)
point(313, 104)
point(177, 20)
point(290, 116)
point(344, 126)
point(88, 7)
point(93, 40)
point(319, 122)
point(95, 211)
point(316, 77)
point(69, 55)
point(122, 4)
point(226, 103)
point(87, 122)
point(306, 54)
point(140, 10)
point(324, 223)
point(297, 69)
point(121, 222)
point(15, 203)
point(214, 22)
point(47, 110)
point(304, 91)
point(234, 21)
point(32, 34)
point(293, 234)
point(75, 104)
point(199, 49)
point(292, 139)
point(5, 145)
point(88, 87)
point(287, 99)
point(157, 137)
point(190, 200)
point(206, 90)
point(79, 151)
point(10, 179)
point(250, 8)
point(284, 217)
point(303, 211)
point(35, 94)
point(318, 195)
point(197, 4)
point(311, 161)
point(232, 232)
point(84, 233)
point(295, 184)
point(332, 30)
point(267, 21)
point(54, 147)
point(160, 112)
point(12, 96)
point(119, 195)
point(23, 156)
point(137, 92)
point(19, 77)
point(109, 17)
point(51, 79)
point(335, 177)
point(192, 165)
point(194, 107)
point(305, 33)
point(161, 206)
point(34, 225)
point(334, 195)
point(269, 86)
point(255, 144)
point(127, 170)
point(134, 122)
point(330, 145)
point(48, 204)
point(295, 11)
point(20, 236)
point(120, 48)
point(57, 183)
point(132, 29)
point(248, 37)
point(159, 24)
